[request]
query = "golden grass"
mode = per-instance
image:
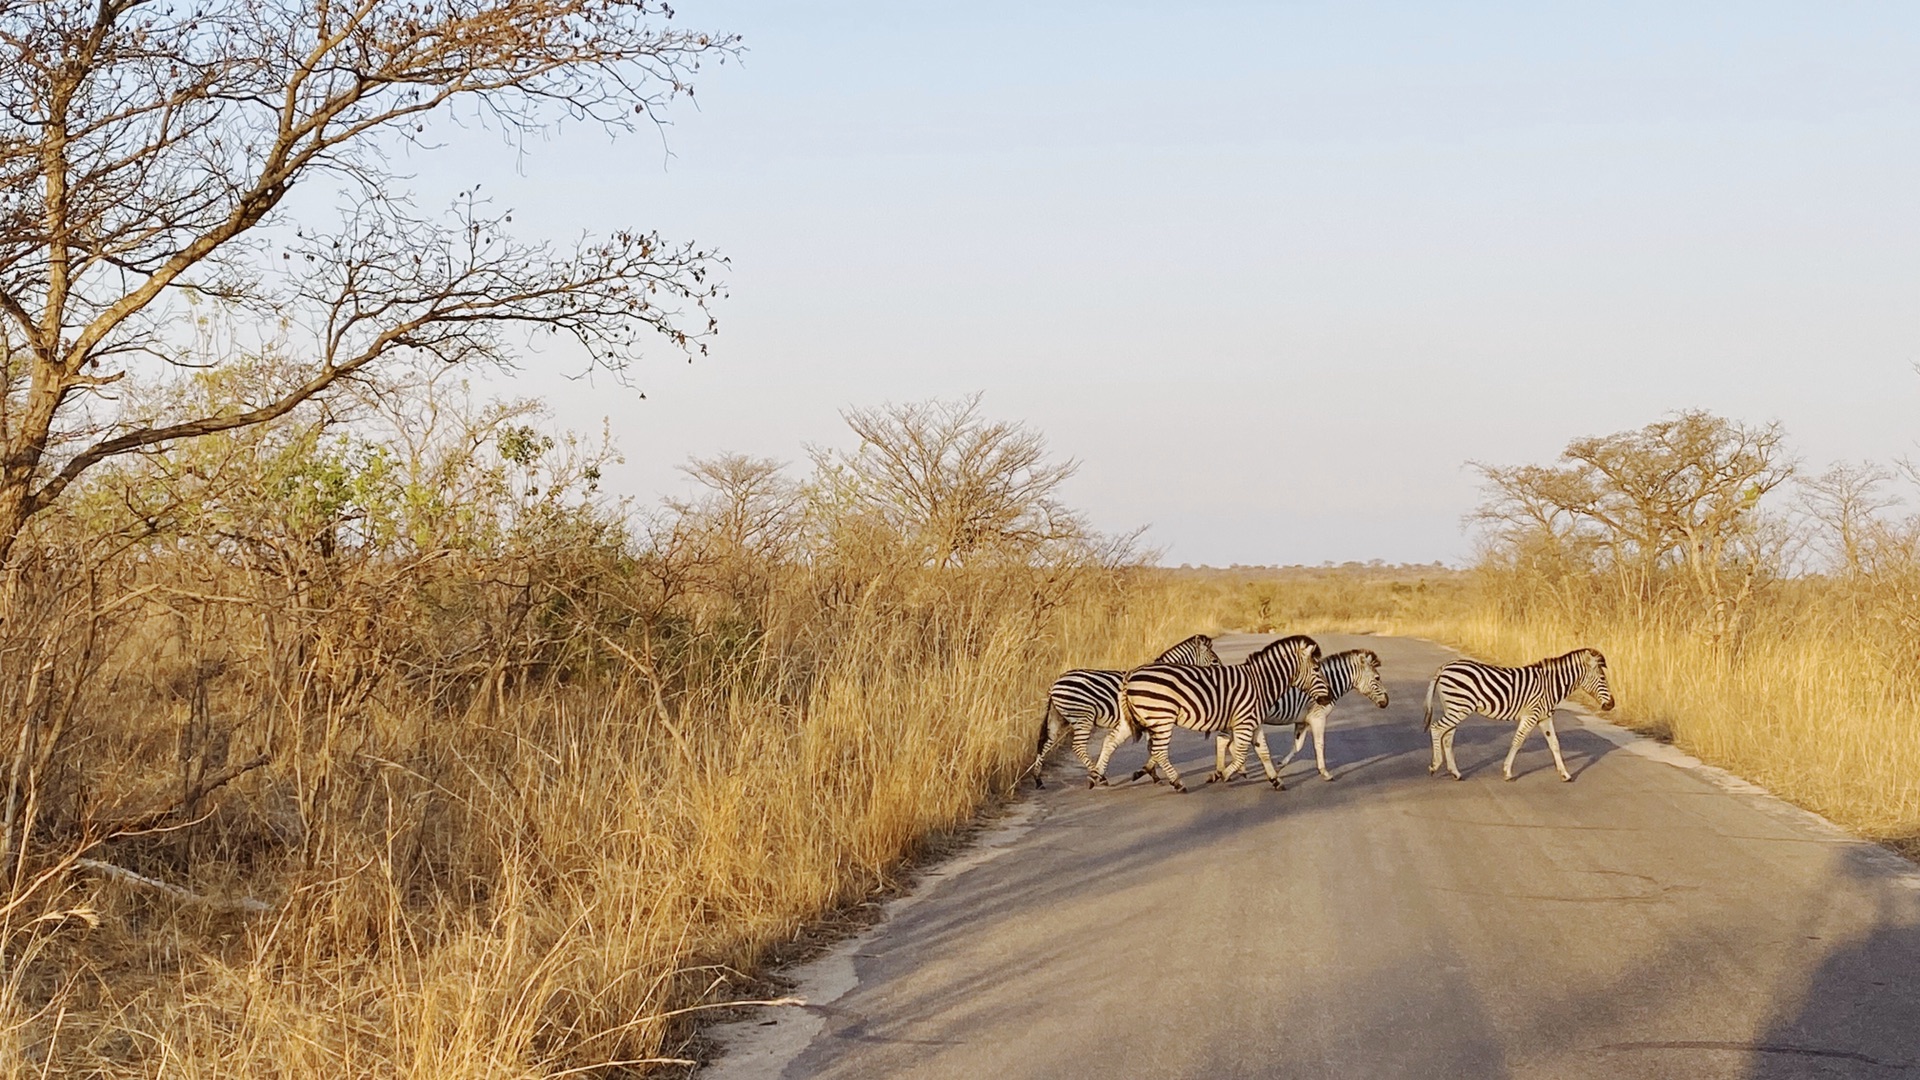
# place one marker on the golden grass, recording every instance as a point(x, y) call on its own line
point(1815, 703)
point(540, 885)
point(539, 889)
point(1814, 715)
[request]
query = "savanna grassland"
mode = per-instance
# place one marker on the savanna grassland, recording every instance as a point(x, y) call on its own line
point(376, 743)
point(347, 728)
point(1763, 616)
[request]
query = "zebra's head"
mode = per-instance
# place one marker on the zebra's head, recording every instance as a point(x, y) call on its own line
point(1297, 660)
point(1593, 677)
point(1197, 650)
point(1366, 676)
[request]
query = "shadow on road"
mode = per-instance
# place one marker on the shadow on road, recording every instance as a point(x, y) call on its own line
point(1642, 922)
point(1859, 1015)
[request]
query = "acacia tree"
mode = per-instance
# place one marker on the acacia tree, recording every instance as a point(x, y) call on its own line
point(148, 152)
point(1677, 501)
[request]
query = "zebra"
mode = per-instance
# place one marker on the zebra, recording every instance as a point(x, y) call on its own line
point(1233, 698)
point(1524, 694)
point(1355, 669)
point(1084, 699)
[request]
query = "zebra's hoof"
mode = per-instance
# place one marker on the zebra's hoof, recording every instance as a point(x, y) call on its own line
point(1431, 769)
point(1566, 778)
point(1138, 773)
point(1457, 776)
point(1326, 776)
point(1508, 778)
point(1179, 787)
point(1278, 786)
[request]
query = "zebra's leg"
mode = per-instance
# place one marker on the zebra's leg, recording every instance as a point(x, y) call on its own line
point(1553, 744)
point(1219, 773)
point(1527, 724)
point(1097, 776)
point(1438, 731)
point(1157, 741)
point(1147, 771)
point(1299, 740)
point(1446, 740)
point(1266, 758)
point(1242, 738)
point(1318, 721)
point(1222, 771)
point(1082, 733)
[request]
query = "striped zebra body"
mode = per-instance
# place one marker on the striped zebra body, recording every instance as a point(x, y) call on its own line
point(1523, 695)
point(1344, 672)
point(1086, 698)
point(1233, 698)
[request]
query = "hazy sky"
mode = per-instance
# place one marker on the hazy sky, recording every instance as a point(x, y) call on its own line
point(1272, 272)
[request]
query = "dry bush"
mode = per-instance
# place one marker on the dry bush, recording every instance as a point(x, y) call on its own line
point(374, 742)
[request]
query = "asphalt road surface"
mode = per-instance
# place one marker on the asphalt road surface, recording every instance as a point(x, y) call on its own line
point(1654, 918)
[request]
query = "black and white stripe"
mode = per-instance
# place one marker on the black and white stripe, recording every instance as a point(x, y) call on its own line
point(1355, 670)
point(1233, 698)
point(1086, 698)
point(1527, 695)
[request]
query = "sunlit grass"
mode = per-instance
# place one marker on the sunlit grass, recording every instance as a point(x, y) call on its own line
point(1814, 716)
point(590, 874)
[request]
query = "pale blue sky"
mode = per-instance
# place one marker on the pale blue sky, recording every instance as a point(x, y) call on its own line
point(1273, 272)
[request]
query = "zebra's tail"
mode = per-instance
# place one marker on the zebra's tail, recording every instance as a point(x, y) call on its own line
point(1046, 724)
point(1427, 723)
point(1124, 711)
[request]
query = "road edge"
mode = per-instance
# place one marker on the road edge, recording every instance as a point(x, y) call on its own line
point(755, 1048)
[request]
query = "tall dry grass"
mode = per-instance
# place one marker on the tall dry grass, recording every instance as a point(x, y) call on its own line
point(1807, 706)
point(404, 756)
point(539, 889)
point(1815, 698)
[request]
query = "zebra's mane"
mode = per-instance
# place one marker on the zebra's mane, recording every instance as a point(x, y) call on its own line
point(1584, 652)
point(1289, 641)
point(1197, 641)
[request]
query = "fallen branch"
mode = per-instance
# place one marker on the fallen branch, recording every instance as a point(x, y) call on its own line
point(152, 819)
point(186, 896)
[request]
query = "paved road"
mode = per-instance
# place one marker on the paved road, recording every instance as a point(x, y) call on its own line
point(1646, 920)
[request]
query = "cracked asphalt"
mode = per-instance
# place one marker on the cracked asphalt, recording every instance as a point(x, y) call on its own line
point(1654, 918)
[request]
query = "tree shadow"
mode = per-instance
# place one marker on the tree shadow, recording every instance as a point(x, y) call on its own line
point(1859, 1015)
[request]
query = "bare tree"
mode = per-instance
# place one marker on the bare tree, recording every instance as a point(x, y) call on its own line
point(148, 150)
point(747, 510)
point(956, 483)
point(1847, 499)
point(741, 531)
